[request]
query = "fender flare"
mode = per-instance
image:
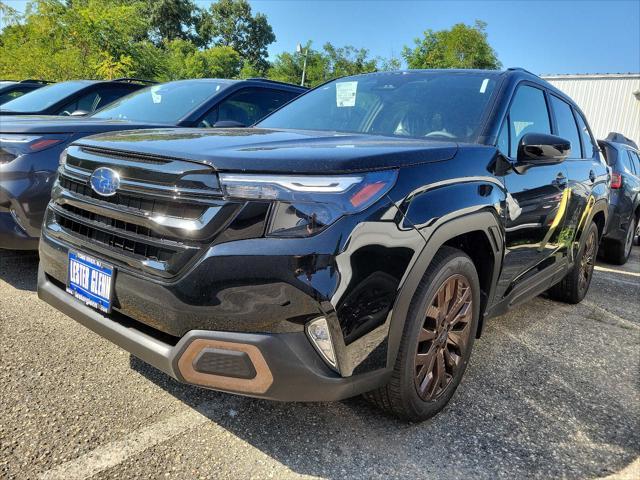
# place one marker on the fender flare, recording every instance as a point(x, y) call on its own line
point(485, 221)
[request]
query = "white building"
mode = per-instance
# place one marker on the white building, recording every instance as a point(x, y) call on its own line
point(611, 101)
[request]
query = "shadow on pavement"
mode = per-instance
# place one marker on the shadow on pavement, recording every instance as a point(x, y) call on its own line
point(19, 269)
point(521, 411)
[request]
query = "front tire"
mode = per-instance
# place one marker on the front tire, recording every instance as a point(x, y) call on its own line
point(575, 285)
point(437, 340)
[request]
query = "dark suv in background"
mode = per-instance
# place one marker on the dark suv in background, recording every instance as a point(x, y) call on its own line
point(623, 158)
point(77, 97)
point(30, 148)
point(10, 90)
point(354, 241)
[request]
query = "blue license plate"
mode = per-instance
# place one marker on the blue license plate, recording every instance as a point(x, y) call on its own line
point(90, 280)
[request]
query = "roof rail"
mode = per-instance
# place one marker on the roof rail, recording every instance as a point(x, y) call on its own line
point(131, 80)
point(520, 69)
point(34, 80)
point(277, 82)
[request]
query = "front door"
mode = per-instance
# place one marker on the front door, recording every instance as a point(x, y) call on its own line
point(537, 200)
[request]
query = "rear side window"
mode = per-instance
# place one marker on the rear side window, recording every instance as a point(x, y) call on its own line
point(588, 145)
point(528, 114)
point(635, 161)
point(566, 124)
point(629, 162)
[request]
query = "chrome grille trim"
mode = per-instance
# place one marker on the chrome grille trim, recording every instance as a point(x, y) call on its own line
point(163, 214)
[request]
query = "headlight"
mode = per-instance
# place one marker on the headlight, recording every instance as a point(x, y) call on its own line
point(306, 204)
point(17, 144)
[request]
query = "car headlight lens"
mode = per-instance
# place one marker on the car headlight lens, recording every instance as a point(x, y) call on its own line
point(306, 204)
point(18, 144)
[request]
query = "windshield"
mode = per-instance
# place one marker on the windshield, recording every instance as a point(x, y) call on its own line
point(166, 103)
point(438, 105)
point(44, 97)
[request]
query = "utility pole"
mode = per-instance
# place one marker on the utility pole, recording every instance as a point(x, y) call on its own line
point(304, 65)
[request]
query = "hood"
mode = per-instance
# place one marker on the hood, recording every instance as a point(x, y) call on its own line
point(286, 151)
point(57, 124)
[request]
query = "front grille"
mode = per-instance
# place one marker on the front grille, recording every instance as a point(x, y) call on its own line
point(151, 205)
point(152, 223)
point(115, 241)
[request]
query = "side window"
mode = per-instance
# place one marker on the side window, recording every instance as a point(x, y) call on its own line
point(86, 102)
point(528, 114)
point(629, 163)
point(566, 124)
point(588, 145)
point(636, 161)
point(247, 106)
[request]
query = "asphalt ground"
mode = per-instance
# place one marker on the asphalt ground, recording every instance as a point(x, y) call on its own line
point(552, 391)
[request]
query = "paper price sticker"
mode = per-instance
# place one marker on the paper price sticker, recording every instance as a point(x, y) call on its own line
point(346, 94)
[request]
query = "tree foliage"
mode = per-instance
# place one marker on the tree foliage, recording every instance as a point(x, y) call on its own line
point(322, 65)
point(462, 46)
point(174, 39)
point(231, 23)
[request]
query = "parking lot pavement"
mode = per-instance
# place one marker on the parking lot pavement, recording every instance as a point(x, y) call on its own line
point(552, 391)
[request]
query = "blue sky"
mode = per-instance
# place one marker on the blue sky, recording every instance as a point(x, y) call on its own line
point(543, 36)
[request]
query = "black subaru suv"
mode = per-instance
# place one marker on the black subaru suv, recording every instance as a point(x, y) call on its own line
point(30, 147)
point(354, 241)
point(623, 157)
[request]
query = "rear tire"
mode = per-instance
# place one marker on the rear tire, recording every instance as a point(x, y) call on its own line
point(436, 343)
point(618, 252)
point(575, 285)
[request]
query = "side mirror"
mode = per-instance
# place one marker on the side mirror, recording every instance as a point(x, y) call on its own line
point(229, 124)
point(542, 149)
point(79, 113)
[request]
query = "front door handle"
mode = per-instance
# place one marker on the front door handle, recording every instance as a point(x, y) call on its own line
point(592, 176)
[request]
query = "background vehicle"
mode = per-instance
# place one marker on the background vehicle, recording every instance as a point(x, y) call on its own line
point(73, 97)
point(30, 149)
point(10, 90)
point(354, 241)
point(624, 205)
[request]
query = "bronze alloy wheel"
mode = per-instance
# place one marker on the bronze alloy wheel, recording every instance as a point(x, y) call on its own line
point(587, 262)
point(444, 337)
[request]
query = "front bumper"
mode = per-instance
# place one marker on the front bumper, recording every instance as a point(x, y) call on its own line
point(281, 366)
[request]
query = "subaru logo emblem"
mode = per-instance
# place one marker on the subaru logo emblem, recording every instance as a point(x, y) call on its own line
point(105, 181)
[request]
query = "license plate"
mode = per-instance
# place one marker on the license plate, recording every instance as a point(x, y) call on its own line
point(90, 280)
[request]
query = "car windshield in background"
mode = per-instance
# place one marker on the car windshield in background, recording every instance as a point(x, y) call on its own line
point(435, 105)
point(166, 103)
point(44, 97)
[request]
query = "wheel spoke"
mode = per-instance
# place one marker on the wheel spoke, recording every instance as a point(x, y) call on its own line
point(426, 335)
point(451, 359)
point(457, 309)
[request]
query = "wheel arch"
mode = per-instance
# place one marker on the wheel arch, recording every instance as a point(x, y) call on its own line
point(460, 232)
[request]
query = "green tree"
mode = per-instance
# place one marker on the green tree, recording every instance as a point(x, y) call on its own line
point(463, 46)
point(184, 60)
point(322, 65)
point(172, 20)
point(231, 23)
point(81, 39)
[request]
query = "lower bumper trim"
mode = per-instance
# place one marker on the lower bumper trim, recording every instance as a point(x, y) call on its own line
point(287, 366)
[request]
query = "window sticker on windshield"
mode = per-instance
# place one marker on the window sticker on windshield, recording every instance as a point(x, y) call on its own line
point(346, 94)
point(155, 96)
point(483, 87)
